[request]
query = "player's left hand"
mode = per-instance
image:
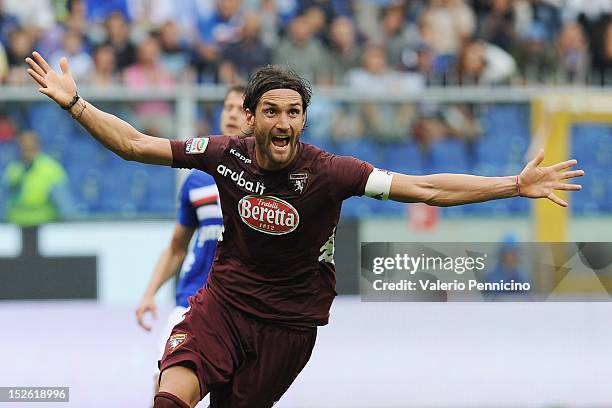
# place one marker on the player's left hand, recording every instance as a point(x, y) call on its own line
point(147, 304)
point(541, 182)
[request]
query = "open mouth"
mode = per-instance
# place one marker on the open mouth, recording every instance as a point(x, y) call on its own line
point(280, 141)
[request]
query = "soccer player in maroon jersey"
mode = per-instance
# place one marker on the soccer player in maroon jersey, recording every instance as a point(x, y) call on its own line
point(251, 329)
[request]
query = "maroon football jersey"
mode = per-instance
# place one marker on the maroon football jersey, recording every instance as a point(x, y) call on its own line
point(275, 259)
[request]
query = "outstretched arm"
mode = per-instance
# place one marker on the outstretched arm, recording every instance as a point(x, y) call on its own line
point(167, 265)
point(114, 133)
point(455, 189)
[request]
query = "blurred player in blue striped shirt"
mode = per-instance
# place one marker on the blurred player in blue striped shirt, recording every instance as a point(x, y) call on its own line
point(199, 211)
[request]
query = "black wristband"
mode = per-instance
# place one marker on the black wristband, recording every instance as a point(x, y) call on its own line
point(72, 102)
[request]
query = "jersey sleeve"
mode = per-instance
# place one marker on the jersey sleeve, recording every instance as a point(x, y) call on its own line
point(202, 153)
point(187, 216)
point(348, 176)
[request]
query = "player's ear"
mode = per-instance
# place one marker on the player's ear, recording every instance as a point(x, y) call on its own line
point(250, 117)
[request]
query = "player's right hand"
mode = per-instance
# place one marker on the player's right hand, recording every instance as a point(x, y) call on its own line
point(146, 305)
point(59, 87)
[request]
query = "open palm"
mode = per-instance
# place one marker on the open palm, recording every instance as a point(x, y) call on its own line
point(541, 182)
point(59, 87)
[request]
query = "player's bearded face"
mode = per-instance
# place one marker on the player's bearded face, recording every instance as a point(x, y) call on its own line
point(277, 123)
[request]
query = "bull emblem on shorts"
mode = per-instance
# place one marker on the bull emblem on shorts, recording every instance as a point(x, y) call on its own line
point(298, 181)
point(176, 340)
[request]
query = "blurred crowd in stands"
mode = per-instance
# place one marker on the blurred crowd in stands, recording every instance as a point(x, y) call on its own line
point(395, 44)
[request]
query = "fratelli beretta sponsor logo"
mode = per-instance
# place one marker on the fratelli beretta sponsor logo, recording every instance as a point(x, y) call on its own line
point(268, 214)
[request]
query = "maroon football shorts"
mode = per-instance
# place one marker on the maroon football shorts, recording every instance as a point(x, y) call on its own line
point(241, 361)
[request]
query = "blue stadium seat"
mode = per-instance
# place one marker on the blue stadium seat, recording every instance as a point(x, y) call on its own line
point(356, 207)
point(607, 205)
point(586, 140)
point(489, 169)
point(116, 183)
point(8, 152)
point(403, 157)
point(603, 152)
point(506, 134)
point(449, 156)
point(50, 122)
point(518, 205)
point(594, 195)
point(161, 191)
point(86, 189)
point(500, 208)
point(109, 185)
point(366, 149)
point(492, 150)
point(386, 208)
point(214, 122)
point(591, 145)
point(324, 144)
point(453, 212)
point(509, 118)
point(501, 152)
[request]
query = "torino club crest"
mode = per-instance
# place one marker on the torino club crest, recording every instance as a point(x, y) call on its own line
point(298, 181)
point(175, 341)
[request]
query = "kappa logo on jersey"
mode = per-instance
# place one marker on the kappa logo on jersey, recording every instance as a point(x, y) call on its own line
point(298, 181)
point(240, 156)
point(175, 341)
point(268, 214)
point(196, 146)
point(250, 186)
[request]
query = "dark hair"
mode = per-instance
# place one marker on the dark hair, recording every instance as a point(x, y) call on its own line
point(275, 77)
point(241, 89)
point(70, 5)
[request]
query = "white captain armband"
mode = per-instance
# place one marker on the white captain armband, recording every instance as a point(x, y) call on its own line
point(379, 184)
